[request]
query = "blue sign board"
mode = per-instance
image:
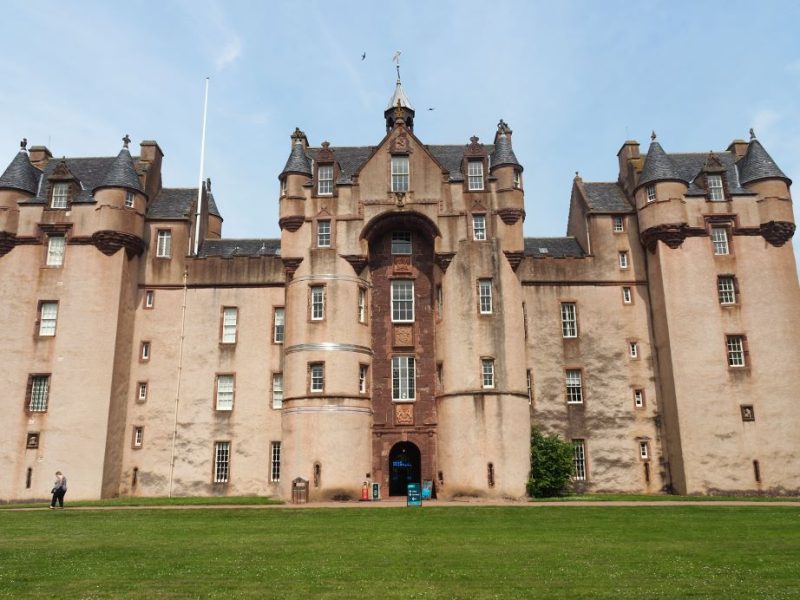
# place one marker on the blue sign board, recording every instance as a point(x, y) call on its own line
point(427, 489)
point(414, 497)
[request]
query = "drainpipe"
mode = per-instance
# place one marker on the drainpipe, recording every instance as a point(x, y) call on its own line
point(178, 384)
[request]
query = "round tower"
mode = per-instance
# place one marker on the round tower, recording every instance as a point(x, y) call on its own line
point(20, 181)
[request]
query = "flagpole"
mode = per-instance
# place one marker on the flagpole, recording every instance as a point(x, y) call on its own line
point(196, 248)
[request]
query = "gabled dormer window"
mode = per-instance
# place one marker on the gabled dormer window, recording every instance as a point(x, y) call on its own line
point(60, 195)
point(400, 173)
point(715, 191)
point(325, 180)
point(475, 175)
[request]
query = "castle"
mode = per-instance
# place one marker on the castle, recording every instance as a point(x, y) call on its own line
point(402, 328)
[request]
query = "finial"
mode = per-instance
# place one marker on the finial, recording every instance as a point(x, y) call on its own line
point(398, 110)
point(653, 136)
point(474, 139)
point(23, 145)
point(208, 184)
point(577, 175)
point(396, 60)
point(298, 135)
point(125, 141)
point(326, 144)
point(752, 134)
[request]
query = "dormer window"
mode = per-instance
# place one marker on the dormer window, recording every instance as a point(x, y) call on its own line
point(475, 175)
point(399, 173)
point(715, 191)
point(325, 180)
point(60, 195)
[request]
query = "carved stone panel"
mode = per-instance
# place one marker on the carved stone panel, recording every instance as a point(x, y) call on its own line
point(404, 414)
point(401, 264)
point(403, 336)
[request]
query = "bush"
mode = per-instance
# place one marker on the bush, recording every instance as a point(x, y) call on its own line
point(551, 465)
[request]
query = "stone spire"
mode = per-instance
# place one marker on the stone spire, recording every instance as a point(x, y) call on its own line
point(122, 173)
point(21, 174)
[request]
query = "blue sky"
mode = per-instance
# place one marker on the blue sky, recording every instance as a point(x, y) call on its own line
point(573, 80)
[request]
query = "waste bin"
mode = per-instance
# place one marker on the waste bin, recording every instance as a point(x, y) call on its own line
point(299, 491)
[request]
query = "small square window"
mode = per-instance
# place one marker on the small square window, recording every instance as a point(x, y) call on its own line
point(141, 393)
point(144, 351)
point(618, 224)
point(278, 325)
point(225, 392)
point(164, 243)
point(569, 320)
point(651, 193)
point(623, 260)
point(60, 195)
point(719, 240)
point(48, 315)
point(748, 412)
point(726, 289)
point(363, 372)
point(317, 377)
point(644, 450)
point(479, 227)
point(715, 190)
point(323, 234)
point(574, 387)
point(627, 296)
point(283, 186)
point(56, 245)
point(32, 441)
point(736, 351)
point(317, 303)
point(517, 180)
point(149, 298)
point(633, 349)
point(138, 436)
point(401, 242)
point(129, 199)
point(38, 393)
point(230, 317)
point(487, 370)
point(277, 391)
point(638, 398)
point(485, 296)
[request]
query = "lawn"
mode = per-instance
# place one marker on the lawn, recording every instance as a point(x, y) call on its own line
point(470, 552)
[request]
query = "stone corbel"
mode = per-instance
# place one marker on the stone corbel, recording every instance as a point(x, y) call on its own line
point(291, 223)
point(514, 259)
point(290, 266)
point(357, 261)
point(671, 234)
point(509, 216)
point(777, 233)
point(443, 259)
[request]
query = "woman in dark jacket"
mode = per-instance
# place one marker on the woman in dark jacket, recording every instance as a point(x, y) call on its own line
point(59, 489)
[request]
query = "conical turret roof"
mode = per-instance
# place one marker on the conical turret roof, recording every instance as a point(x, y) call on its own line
point(658, 166)
point(21, 174)
point(298, 161)
point(122, 173)
point(399, 96)
point(503, 153)
point(757, 164)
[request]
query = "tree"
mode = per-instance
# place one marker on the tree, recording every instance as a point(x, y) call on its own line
point(551, 465)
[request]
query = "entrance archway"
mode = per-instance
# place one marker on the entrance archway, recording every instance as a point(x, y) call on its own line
point(404, 467)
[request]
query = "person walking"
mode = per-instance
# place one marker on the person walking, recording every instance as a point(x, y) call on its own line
point(59, 489)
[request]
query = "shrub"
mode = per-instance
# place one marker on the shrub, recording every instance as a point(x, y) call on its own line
point(551, 465)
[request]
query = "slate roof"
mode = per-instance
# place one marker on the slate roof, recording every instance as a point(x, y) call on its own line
point(503, 153)
point(690, 164)
point(175, 203)
point(122, 173)
point(349, 158)
point(21, 174)
point(553, 247)
point(90, 173)
point(658, 166)
point(605, 197)
point(248, 247)
point(758, 164)
point(298, 162)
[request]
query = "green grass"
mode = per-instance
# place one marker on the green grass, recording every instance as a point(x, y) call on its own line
point(470, 552)
point(663, 498)
point(132, 501)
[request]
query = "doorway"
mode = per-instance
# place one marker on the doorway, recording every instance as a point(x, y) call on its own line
point(404, 467)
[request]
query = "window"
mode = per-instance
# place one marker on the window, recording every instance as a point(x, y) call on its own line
point(222, 461)
point(278, 325)
point(32, 441)
point(726, 288)
point(325, 180)
point(627, 297)
point(644, 450)
point(38, 393)
point(748, 412)
point(651, 193)
point(485, 296)
point(230, 315)
point(475, 175)
point(55, 250)
point(638, 398)
point(529, 381)
point(399, 173)
point(317, 377)
point(224, 392)
point(128, 199)
point(48, 314)
point(479, 227)
point(363, 371)
point(623, 260)
point(362, 305)
point(487, 370)
point(402, 301)
point(60, 195)
point(317, 303)
point(404, 378)
point(574, 388)
point(440, 376)
point(401, 242)
point(719, 238)
point(138, 436)
point(323, 234)
point(144, 351)
point(517, 180)
point(715, 191)
point(633, 349)
point(283, 186)
point(736, 353)
point(618, 224)
point(277, 391)
point(275, 462)
point(569, 320)
point(164, 245)
point(149, 298)
point(439, 302)
point(579, 459)
point(141, 393)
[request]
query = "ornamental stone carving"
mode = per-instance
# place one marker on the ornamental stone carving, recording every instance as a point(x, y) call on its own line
point(777, 233)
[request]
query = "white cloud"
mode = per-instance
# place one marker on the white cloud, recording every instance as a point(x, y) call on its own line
point(229, 53)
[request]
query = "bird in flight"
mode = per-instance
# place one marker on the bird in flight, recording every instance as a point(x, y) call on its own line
point(363, 55)
point(433, 108)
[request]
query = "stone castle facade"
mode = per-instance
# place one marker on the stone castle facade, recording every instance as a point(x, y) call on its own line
point(402, 328)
